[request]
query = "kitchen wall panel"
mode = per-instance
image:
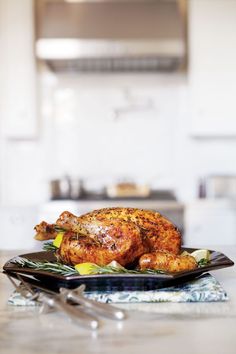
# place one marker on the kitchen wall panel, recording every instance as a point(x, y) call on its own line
point(115, 125)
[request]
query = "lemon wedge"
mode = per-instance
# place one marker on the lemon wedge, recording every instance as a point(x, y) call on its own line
point(185, 253)
point(86, 268)
point(201, 254)
point(115, 264)
point(58, 240)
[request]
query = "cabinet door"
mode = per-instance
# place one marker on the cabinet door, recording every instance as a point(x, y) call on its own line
point(212, 69)
point(213, 111)
point(18, 70)
point(210, 223)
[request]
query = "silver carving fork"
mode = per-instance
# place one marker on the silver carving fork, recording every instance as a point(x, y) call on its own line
point(54, 301)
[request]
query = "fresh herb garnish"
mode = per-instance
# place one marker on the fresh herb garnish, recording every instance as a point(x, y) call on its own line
point(203, 262)
point(53, 267)
point(62, 269)
point(49, 246)
point(58, 228)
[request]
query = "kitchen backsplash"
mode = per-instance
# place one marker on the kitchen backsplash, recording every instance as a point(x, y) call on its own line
point(106, 127)
point(114, 126)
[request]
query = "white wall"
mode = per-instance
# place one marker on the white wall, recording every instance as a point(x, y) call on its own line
point(88, 138)
point(81, 137)
point(154, 145)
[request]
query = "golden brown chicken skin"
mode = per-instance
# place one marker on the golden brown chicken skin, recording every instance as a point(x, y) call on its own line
point(45, 231)
point(121, 234)
point(167, 262)
point(104, 242)
point(158, 233)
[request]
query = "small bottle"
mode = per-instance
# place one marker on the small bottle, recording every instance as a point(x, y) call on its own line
point(202, 188)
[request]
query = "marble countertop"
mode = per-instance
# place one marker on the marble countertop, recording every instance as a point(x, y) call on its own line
point(157, 327)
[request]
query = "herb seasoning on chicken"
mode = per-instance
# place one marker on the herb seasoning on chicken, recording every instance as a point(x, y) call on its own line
point(117, 234)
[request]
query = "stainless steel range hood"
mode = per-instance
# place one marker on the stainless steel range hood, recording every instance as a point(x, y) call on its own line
point(109, 35)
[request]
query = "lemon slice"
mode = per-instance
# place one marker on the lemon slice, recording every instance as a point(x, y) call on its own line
point(86, 268)
point(58, 240)
point(201, 254)
point(185, 253)
point(115, 264)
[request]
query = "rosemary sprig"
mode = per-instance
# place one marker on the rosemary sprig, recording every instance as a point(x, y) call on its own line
point(62, 269)
point(203, 262)
point(53, 267)
point(49, 246)
point(121, 270)
point(58, 228)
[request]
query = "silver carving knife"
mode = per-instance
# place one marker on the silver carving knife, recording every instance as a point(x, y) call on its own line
point(105, 310)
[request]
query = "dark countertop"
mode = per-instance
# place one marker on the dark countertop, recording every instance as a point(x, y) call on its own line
point(154, 195)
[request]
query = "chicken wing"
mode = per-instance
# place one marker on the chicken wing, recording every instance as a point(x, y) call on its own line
point(45, 231)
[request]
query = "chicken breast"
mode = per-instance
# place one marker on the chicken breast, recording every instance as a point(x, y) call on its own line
point(158, 233)
point(102, 242)
point(167, 262)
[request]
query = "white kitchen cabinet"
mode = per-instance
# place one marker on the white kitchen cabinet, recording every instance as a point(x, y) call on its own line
point(18, 102)
point(17, 227)
point(210, 221)
point(18, 70)
point(212, 67)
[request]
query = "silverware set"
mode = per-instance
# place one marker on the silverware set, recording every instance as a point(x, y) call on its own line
point(73, 303)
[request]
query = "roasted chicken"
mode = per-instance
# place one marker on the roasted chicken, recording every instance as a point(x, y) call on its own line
point(120, 234)
point(157, 232)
